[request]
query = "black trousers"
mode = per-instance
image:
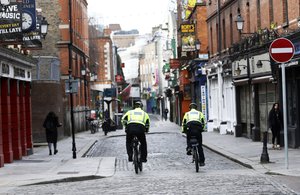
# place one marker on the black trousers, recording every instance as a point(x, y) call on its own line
point(196, 133)
point(137, 130)
point(276, 134)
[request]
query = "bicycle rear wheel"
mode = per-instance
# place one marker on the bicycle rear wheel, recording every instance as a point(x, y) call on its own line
point(135, 160)
point(139, 159)
point(196, 158)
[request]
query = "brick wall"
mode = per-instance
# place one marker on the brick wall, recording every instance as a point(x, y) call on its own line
point(255, 16)
point(47, 96)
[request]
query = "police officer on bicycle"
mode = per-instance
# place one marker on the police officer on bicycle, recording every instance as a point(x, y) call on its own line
point(136, 123)
point(193, 124)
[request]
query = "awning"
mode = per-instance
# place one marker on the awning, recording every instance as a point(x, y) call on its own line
point(240, 82)
point(264, 79)
point(125, 94)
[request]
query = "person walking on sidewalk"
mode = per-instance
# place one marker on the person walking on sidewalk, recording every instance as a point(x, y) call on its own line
point(166, 113)
point(275, 124)
point(136, 123)
point(50, 124)
point(193, 124)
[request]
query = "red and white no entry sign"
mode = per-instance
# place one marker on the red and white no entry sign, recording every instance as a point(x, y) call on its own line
point(282, 50)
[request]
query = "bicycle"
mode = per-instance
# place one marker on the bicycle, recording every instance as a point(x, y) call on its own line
point(195, 153)
point(138, 165)
point(93, 125)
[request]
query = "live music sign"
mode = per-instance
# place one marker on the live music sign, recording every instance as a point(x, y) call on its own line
point(282, 50)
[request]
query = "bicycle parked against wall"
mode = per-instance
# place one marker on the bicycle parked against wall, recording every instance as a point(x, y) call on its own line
point(138, 165)
point(93, 125)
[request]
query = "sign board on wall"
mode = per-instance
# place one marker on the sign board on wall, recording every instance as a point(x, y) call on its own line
point(11, 23)
point(135, 92)
point(110, 92)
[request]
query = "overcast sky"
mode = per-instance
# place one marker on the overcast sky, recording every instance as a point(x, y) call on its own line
point(130, 14)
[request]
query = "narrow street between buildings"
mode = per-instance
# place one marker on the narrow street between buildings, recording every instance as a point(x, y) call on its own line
point(168, 170)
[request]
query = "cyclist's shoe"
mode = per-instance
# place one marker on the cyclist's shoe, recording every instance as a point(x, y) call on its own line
point(144, 160)
point(189, 151)
point(130, 159)
point(202, 164)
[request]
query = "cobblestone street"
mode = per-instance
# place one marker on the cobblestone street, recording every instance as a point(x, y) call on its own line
point(168, 171)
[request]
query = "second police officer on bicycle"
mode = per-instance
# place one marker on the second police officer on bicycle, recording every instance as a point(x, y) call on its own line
point(193, 124)
point(136, 123)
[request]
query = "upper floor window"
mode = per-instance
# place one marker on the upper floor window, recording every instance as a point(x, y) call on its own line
point(5, 68)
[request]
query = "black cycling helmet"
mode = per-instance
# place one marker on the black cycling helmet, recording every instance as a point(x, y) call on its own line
point(138, 104)
point(193, 105)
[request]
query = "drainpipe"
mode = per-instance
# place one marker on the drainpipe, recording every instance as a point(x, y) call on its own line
point(70, 47)
point(219, 65)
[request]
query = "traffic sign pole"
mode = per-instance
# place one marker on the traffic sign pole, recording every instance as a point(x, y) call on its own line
point(284, 115)
point(282, 50)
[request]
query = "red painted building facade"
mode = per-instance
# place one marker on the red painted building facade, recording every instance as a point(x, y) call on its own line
point(15, 106)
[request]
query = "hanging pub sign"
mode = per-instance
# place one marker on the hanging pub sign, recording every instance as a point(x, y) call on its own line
point(32, 39)
point(11, 23)
point(188, 37)
point(28, 16)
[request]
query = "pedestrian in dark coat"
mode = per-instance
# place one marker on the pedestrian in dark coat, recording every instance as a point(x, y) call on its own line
point(50, 124)
point(275, 123)
point(166, 113)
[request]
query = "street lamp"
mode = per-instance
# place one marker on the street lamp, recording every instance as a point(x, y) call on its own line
point(240, 25)
point(83, 73)
point(44, 27)
point(4, 3)
point(239, 22)
point(259, 63)
point(238, 70)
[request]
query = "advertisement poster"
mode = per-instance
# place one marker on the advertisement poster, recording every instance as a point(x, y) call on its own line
point(11, 23)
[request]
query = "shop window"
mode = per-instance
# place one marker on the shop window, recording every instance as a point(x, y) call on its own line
point(291, 103)
point(8, 87)
point(5, 68)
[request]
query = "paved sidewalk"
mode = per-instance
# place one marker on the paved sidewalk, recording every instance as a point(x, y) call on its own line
point(41, 167)
point(248, 153)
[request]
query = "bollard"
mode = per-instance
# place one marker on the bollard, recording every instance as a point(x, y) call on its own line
point(264, 158)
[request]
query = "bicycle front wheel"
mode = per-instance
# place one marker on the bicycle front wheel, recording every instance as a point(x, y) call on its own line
point(196, 158)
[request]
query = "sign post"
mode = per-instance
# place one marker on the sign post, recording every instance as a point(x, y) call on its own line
point(282, 50)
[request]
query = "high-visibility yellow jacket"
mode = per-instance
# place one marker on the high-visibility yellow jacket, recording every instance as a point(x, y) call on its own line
point(136, 116)
point(193, 115)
